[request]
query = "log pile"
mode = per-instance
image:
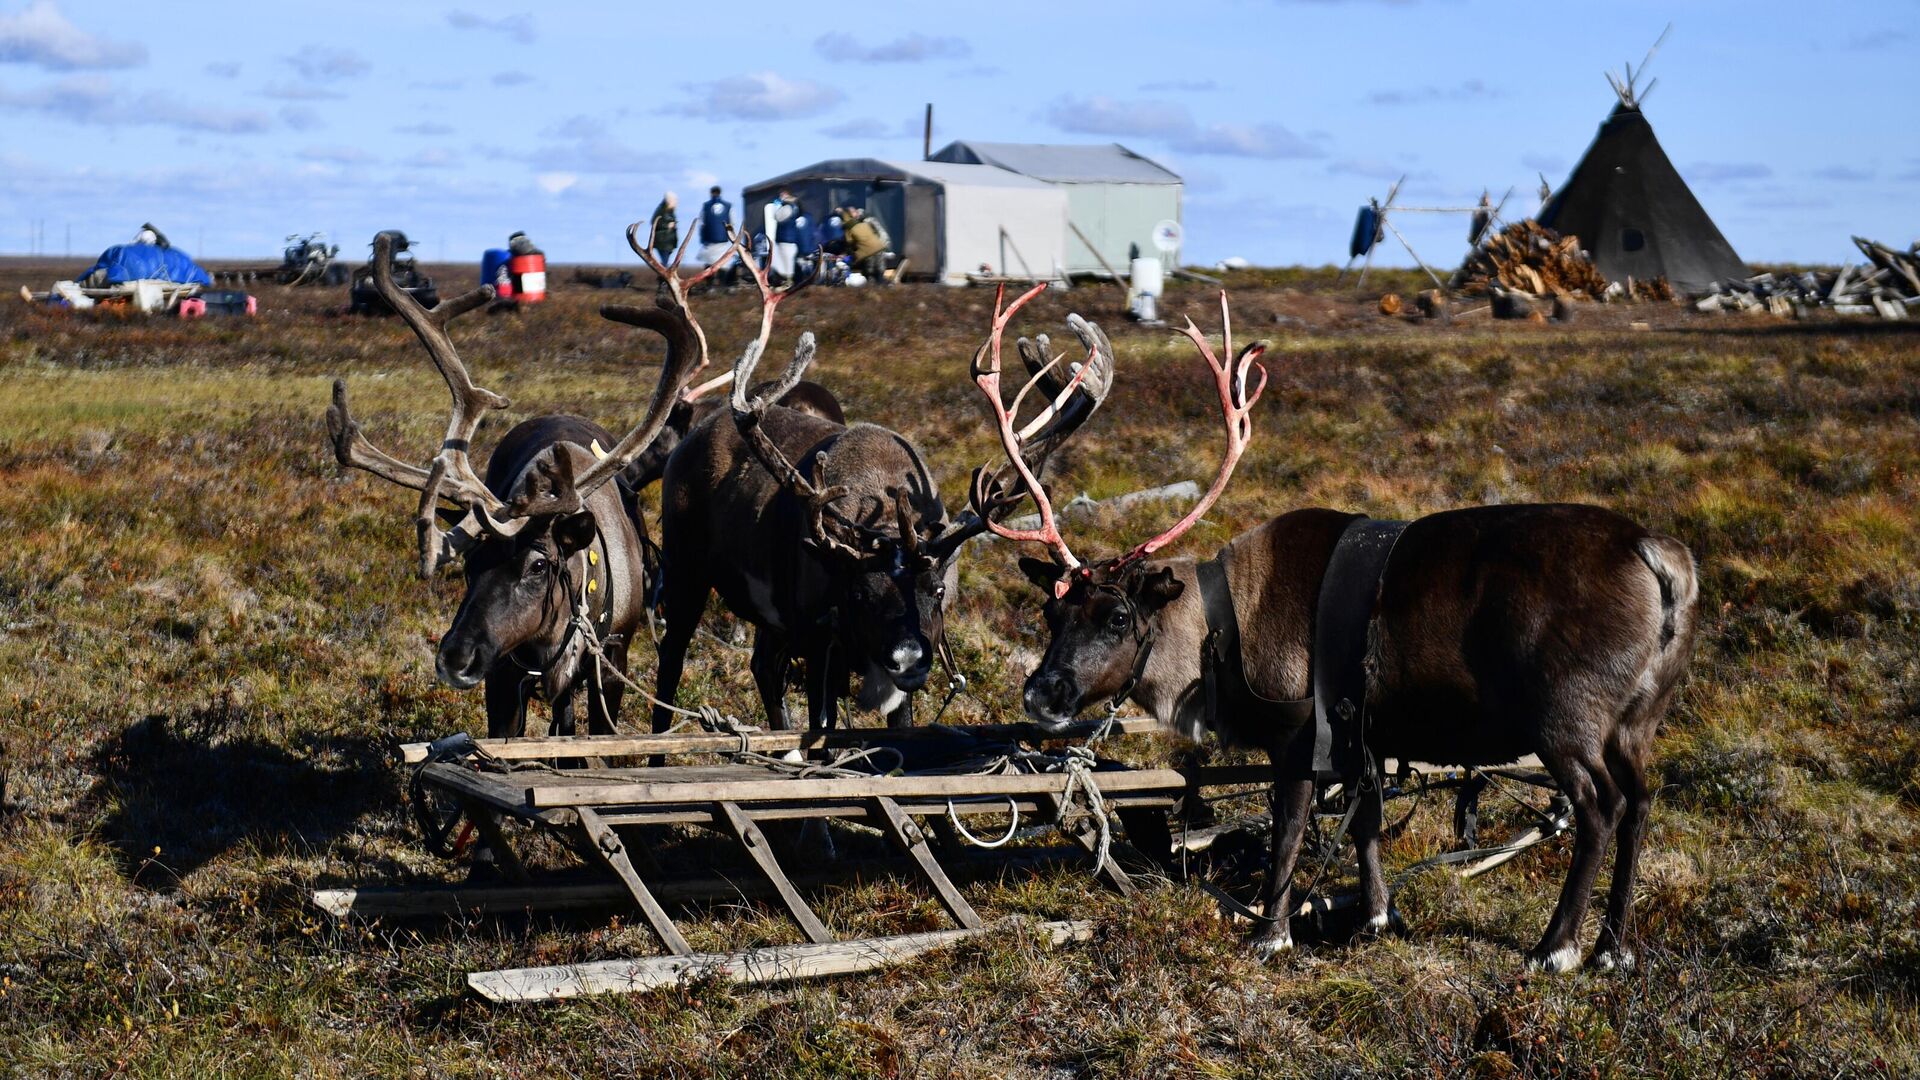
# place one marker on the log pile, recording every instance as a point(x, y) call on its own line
point(1531, 258)
point(1886, 285)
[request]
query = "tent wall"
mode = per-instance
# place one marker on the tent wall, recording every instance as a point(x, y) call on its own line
point(997, 219)
point(1114, 217)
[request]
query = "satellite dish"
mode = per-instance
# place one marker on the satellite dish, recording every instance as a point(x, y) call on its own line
point(1167, 236)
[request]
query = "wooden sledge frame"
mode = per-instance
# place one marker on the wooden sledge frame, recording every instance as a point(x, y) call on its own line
point(590, 805)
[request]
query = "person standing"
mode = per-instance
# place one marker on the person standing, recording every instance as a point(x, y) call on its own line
point(716, 234)
point(782, 231)
point(666, 228)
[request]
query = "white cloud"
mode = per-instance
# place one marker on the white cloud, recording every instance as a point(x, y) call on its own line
point(300, 118)
point(425, 127)
point(91, 99)
point(602, 156)
point(335, 155)
point(512, 78)
point(553, 183)
point(759, 96)
point(842, 48)
point(1175, 124)
point(284, 91)
point(578, 126)
point(518, 27)
point(1470, 90)
point(865, 127)
point(433, 157)
point(1714, 172)
point(40, 35)
point(223, 71)
point(1247, 140)
point(328, 65)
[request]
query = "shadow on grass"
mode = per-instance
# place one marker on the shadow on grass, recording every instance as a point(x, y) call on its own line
point(181, 786)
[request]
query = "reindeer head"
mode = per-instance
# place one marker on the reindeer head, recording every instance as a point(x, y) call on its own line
point(516, 548)
point(1102, 618)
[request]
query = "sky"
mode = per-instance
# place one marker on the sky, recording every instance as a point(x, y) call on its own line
point(232, 125)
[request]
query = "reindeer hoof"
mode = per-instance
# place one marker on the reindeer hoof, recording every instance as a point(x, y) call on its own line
point(1613, 959)
point(1269, 946)
point(1378, 926)
point(1558, 962)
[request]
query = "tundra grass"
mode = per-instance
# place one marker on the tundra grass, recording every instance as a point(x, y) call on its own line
point(210, 641)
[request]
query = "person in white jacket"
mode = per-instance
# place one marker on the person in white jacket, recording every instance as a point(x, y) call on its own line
point(780, 230)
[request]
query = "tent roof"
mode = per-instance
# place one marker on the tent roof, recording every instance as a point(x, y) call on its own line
point(939, 172)
point(947, 172)
point(1631, 210)
point(1108, 163)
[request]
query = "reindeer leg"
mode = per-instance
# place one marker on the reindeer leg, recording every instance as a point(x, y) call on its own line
point(1597, 807)
point(1291, 801)
point(506, 709)
point(1373, 878)
point(562, 706)
point(1614, 950)
point(769, 667)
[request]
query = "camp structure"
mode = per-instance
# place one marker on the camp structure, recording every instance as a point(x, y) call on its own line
point(1634, 214)
point(1115, 197)
point(950, 223)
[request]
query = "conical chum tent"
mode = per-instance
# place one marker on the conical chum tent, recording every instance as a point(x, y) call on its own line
point(1633, 213)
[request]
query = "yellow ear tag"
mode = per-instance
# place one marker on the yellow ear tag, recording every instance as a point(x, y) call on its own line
point(593, 586)
point(598, 453)
point(593, 558)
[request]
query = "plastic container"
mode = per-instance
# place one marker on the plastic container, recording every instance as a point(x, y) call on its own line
point(529, 274)
point(494, 272)
point(1148, 276)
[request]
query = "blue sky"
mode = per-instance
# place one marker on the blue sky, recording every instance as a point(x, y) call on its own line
point(231, 125)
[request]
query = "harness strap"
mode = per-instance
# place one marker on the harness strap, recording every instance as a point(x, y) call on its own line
point(1343, 626)
point(1223, 675)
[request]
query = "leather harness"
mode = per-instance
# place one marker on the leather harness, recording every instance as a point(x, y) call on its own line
point(1343, 627)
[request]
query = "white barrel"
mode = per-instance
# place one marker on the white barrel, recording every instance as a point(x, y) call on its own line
point(1148, 276)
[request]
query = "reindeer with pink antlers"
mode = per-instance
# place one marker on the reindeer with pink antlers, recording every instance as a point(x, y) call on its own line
point(1331, 641)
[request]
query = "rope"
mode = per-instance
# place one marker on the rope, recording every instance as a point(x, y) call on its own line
point(1013, 808)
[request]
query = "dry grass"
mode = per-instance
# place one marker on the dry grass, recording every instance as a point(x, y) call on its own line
point(209, 642)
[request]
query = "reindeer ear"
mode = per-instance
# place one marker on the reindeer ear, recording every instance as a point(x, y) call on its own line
point(1156, 589)
point(574, 531)
point(1042, 572)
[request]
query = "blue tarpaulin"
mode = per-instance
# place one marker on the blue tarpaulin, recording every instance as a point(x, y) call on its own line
point(145, 262)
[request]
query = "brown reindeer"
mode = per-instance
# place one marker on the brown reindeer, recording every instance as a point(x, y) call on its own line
point(832, 539)
point(1480, 635)
point(551, 537)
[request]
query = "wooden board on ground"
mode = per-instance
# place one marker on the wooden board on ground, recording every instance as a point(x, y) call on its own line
point(779, 963)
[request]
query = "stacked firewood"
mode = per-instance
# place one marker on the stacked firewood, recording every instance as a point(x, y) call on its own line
point(1887, 285)
point(1531, 258)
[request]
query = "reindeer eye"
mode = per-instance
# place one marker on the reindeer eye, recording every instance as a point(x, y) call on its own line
point(538, 566)
point(1118, 620)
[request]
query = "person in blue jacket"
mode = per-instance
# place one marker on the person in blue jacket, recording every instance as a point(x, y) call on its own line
point(716, 223)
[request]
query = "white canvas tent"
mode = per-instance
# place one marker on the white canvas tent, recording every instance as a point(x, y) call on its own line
point(1114, 196)
point(947, 220)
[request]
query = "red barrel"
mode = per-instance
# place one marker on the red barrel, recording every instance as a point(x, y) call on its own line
point(529, 277)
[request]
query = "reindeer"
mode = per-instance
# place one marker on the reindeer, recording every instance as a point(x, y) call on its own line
point(1478, 636)
point(832, 539)
point(551, 542)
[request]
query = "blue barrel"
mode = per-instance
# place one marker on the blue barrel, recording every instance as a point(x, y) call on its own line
point(1366, 227)
point(492, 263)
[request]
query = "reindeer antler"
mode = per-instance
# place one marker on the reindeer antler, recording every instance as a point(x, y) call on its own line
point(1027, 447)
point(449, 474)
point(1236, 407)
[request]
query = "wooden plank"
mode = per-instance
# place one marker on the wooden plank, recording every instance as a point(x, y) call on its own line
point(755, 841)
point(496, 790)
point(401, 902)
point(708, 742)
point(907, 834)
point(609, 846)
point(1119, 281)
point(566, 792)
point(781, 963)
point(785, 811)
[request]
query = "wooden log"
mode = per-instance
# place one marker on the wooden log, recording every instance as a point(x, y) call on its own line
point(780, 963)
point(1118, 281)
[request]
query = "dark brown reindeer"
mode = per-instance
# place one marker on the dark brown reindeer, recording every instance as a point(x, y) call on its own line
point(551, 534)
point(1480, 636)
point(832, 539)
